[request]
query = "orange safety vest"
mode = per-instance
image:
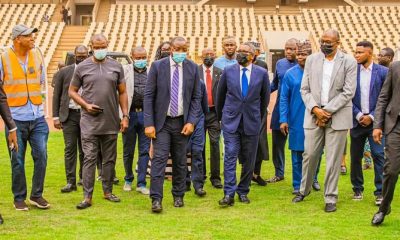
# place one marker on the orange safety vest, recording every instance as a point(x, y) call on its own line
point(18, 85)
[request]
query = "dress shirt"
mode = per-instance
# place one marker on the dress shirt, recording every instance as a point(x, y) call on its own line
point(365, 84)
point(180, 92)
point(326, 79)
point(72, 103)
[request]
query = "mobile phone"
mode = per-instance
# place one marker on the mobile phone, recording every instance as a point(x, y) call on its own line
point(99, 108)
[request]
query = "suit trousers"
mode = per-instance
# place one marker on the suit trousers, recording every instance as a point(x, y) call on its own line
point(358, 136)
point(314, 142)
point(169, 140)
point(92, 145)
point(214, 132)
point(246, 145)
point(278, 152)
point(72, 141)
point(391, 169)
point(196, 147)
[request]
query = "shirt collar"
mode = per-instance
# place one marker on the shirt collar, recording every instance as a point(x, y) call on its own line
point(248, 67)
point(205, 67)
point(368, 69)
point(173, 63)
point(334, 58)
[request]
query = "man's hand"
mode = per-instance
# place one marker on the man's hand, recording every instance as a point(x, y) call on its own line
point(187, 129)
point(321, 114)
point(320, 123)
point(57, 124)
point(12, 140)
point(92, 109)
point(124, 125)
point(150, 132)
point(284, 128)
point(365, 120)
point(377, 135)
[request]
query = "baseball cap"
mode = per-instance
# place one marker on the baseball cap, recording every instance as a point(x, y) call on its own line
point(22, 30)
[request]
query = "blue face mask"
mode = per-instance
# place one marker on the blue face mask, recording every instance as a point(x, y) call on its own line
point(178, 57)
point(100, 54)
point(140, 63)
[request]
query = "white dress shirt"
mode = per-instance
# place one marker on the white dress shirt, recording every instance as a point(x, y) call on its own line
point(326, 80)
point(365, 84)
point(180, 91)
point(248, 74)
point(205, 74)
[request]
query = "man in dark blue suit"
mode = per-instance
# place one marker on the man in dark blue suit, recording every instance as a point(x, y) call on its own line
point(171, 109)
point(370, 79)
point(242, 99)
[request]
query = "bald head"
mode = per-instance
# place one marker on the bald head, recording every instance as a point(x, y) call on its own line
point(330, 42)
point(139, 53)
point(138, 49)
point(332, 33)
point(99, 37)
point(207, 52)
point(291, 49)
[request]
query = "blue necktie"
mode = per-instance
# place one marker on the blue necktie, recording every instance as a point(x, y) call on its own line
point(245, 83)
point(174, 92)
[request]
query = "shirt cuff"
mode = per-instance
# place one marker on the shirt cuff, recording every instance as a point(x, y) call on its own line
point(359, 115)
point(55, 118)
point(372, 117)
point(12, 130)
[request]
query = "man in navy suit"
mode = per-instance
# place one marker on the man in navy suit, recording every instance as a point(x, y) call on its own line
point(171, 109)
point(242, 99)
point(370, 79)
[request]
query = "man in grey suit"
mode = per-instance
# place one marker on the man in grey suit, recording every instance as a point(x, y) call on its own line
point(67, 116)
point(387, 122)
point(328, 86)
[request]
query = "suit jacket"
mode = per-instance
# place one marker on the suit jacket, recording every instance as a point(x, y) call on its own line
point(342, 89)
point(388, 108)
point(216, 75)
point(157, 93)
point(61, 98)
point(232, 107)
point(378, 77)
point(5, 110)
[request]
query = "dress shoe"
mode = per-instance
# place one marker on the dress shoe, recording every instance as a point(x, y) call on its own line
point(275, 179)
point(68, 188)
point(178, 202)
point(1, 220)
point(156, 206)
point(379, 217)
point(259, 180)
point(112, 198)
point(244, 199)
point(200, 192)
point(226, 201)
point(316, 186)
point(298, 198)
point(83, 205)
point(216, 183)
point(330, 207)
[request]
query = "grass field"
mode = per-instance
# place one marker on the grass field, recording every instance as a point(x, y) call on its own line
point(271, 215)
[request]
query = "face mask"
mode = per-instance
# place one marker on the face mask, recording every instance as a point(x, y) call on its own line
point(242, 58)
point(178, 57)
point(164, 55)
point(100, 54)
point(208, 61)
point(79, 60)
point(140, 63)
point(326, 49)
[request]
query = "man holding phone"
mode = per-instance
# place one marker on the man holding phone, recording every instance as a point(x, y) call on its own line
point(103, 92)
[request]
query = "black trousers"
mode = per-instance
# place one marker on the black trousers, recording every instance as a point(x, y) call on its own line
point(214, 132)
point(391, 169)
point(169, 140)
point(278, 152)
point(72, 141)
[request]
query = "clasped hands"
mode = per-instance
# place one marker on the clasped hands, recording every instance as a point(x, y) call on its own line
point(322, 116)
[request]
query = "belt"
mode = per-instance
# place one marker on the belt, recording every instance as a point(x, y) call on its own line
point(181, 116)
point(211, 108)
point(138, 109)
point(75, 110)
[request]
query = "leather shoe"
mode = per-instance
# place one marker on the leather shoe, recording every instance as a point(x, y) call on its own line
point(316, 186)
point(216, 183)
point(1, 220)
point(244, 199)
point(156, 206)
point(298, 198)
point(379, 217)
point(227, 201)
point(200, 192)
point(83, 205)
point(112, 198)
point(68, 188)
point(330, 207)
point(178, 202)
point(259, 180)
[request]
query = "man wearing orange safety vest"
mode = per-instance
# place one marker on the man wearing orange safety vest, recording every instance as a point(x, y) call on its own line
point(22, 75)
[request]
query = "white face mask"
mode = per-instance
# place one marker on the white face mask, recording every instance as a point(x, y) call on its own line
point(100, 54)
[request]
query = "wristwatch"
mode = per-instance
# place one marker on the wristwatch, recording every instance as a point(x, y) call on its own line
point(126, 116)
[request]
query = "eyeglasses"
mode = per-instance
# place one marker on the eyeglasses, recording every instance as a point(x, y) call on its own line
point(380, 55)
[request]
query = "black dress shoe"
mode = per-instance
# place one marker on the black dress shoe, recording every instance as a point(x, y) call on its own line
point(316, 186)
point(83, 205)
point(244, 199)
point(1, 220)
point(216, 183)
point(200, 192)
point(330, 207)
point(156, 206)
point(226, 201)
point(178, 202)
point(259, 180)
point(68, 188)
point(379, 217)
point(298, 198)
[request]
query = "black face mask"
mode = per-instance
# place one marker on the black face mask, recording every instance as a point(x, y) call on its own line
point(242, 58)
point(327, 49)
point(79, 60)
point(164, 55)
point(208, 61)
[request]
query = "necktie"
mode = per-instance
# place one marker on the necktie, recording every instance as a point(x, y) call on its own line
point(174, 92)
point(209, 88)
point(245, 83)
